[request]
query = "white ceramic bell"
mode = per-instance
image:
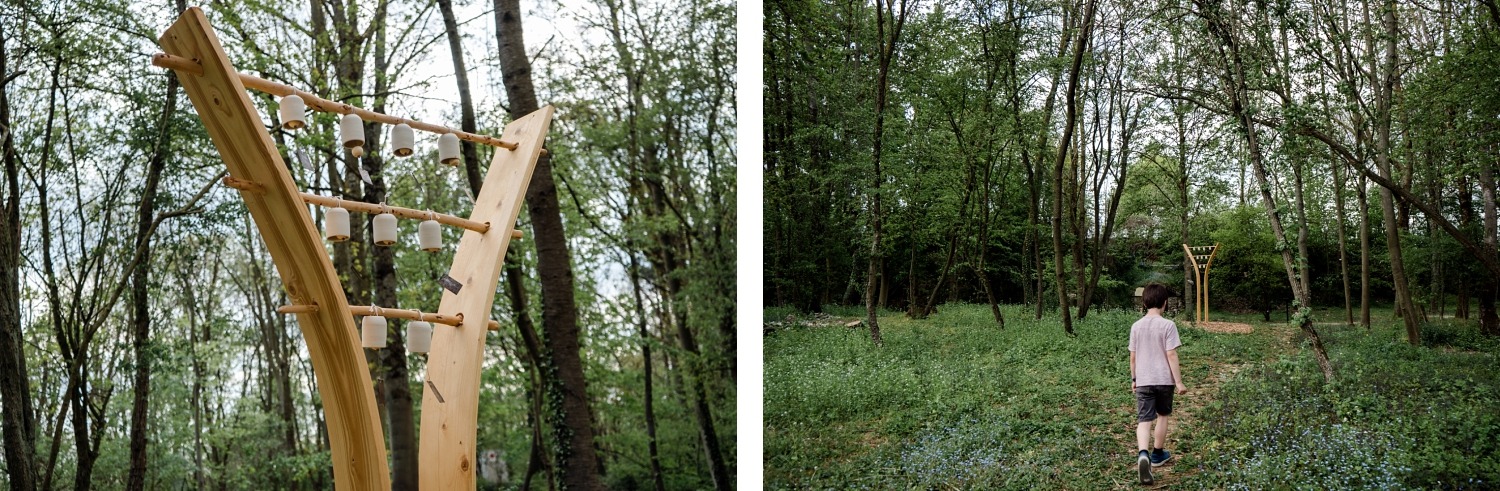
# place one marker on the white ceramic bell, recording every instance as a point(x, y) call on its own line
point(293, 112)
point(430, 236)
point(402, 139)
point(385, 229)
point(448, 149)
point(336, 224)
point(418, 336)
point(352, 131)
point(372, 331)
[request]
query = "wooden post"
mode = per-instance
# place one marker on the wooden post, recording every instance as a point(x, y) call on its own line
point(1214, 251)
point(450, 397)
point(355, 438)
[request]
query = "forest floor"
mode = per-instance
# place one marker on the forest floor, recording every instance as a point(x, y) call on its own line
point(954, 402)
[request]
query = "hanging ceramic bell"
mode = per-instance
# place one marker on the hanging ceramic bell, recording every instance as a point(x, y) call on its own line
point(336, 224)
point(372, 330)
point(352, 132)
point(385, 228)
point(418, 336)
point(430, 235)
point(293, 112)
point(402, 139)
point(448, 149)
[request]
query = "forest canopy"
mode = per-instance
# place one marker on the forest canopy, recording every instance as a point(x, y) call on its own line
point(1062, 153)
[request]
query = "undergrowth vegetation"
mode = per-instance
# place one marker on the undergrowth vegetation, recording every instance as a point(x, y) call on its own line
point(954, 402)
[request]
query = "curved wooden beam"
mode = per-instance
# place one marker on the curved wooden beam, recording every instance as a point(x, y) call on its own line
point(450, 398)
point(354, 434)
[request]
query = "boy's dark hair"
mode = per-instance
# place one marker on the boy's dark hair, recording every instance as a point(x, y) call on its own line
point(1156, 295)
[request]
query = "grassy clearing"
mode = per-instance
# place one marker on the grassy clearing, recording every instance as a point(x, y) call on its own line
point(952, 402)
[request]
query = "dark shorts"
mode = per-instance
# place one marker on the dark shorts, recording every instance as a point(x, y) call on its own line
point(1153, 400)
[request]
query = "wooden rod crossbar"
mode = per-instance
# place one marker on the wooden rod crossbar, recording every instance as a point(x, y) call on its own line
point(297, 309)
point(455, 320)
point(362, 207)
point(313, 101)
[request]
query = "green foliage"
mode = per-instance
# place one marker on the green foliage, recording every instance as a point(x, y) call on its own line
point(1397, 416)
point(1248, 266)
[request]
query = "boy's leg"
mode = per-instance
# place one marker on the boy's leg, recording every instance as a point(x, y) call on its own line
point(1163, 408)
point(1161, 431)
point(1146, 406)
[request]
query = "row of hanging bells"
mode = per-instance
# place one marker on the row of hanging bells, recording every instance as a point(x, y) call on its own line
point(352, 132)
point(373, 331)
point(429, 233)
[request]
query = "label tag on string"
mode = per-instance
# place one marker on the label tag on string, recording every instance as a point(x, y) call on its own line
point(450, 284)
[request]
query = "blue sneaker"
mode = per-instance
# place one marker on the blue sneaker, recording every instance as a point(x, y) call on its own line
point(1143, 463)
point(1159, 457)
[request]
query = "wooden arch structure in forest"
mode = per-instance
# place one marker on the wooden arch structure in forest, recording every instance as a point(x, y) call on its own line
point(1205, 254)
point(451, 389)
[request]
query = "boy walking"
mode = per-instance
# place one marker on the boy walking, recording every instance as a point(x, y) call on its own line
point(1154, 376)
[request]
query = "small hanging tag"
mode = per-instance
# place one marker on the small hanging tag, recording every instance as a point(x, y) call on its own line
point(365, 176)
point(450, 284)
point(306, 162)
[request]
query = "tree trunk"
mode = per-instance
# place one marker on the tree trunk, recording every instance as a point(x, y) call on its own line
point(982, 249)
point(139, 292)
point(568, 412)
point(1304, 272)
point(1364, 254)
point(1057, 167)
point(1189, 293)
point(1338, 204)
point(1489, 321)
point(1233, 78)
point(1102, 239)
point(1383, 102)
point(17, 421)
point(885, 57)
point(465, 99)
point(400, 413)
point(515, 288)
point(649, 401)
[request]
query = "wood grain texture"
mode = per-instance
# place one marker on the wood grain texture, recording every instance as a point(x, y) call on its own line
point(354, 432)
point(450, 398)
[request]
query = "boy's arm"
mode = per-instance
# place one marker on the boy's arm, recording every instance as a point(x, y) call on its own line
point(1176, 372)
point(1132, 371)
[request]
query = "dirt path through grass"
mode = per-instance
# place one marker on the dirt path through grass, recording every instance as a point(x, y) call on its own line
point(1186, 439)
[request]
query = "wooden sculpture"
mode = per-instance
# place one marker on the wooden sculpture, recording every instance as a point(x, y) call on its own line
point(1200, 276)
point(451, 389)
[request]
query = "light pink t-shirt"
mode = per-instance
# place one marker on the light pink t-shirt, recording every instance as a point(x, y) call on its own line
point(1150, 339)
